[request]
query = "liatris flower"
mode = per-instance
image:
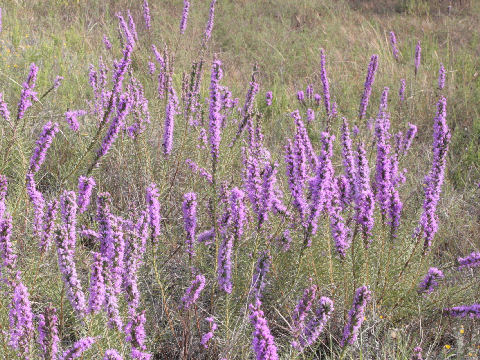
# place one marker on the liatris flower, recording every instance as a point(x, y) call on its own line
point(189, 208)
point(206, 236)
point(43, 143)
point(434, 180)
point(472, 311)
point(209, 28)
point(395, 210)
point(429, 283)
point(340, 232)
point(97, 284)
point(66, 263)
point(261, 269)
point(85, 187)
point(417, 354)
point(27, 94)
point(316, 325)
point(300, 96)
point(238, 217)
point(132, 26)
point(356, 316)
point(139, 108)
point(271, 196)
point(119, 73)
point(78, 348)
point(112, 354)
point(263, 342)
point(68, 206)
point(57, 82)
point(401, 90)
point(209, 335)
point(317, 98)
point(310, 115)
point(183, 22)
point(151, 68)
point(38, 201)
point(193, 291)
point(408, 139)
point(146, 14)
point(48, 226)
point(48, 333)
point(325, 83)
point(21, 319)
point(104, 219)
point(296, 174)
point(106, 41)
point(200, 171)
point(170, 112)
point(393, 41)
point(470, 261)
point(269, 98)
point(442, 74)
point(3, 194)
point(364, 199)
point(247, 109)
point(123, 108)
point(418, 55)
point(215, 118)
point(153, 210)
point(301, 310)
point(348, 161)
point(372, 69)
point(71, 118)
point(135, 248)
point(309, 90)
point(8, 265)
point(115, 260)
point(224, 264)
point(4, 112)
point(135, 335)
point(112, 306)
point(320, 186)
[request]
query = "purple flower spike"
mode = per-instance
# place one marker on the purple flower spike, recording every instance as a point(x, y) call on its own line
point(43, 143)
point(261, 269)
point(209, 335)
point(135, 335)
point(367, 91)
point(325, 83)
point(470, 261)
point(193, 291)
point(85, 187)
point(48, 333)
point(364, 199)
point(8, 264)
point(393, 41)
point(300, 96)
point(434, 179)
point(418, 55)
point(263, 342)
point(170, 112)
point(417, 354)
point(198, 170)
point(209, 28)
point(97, 284)
point(28, 94)
point(189, 208)
point(78, 348)
point(215, 117)
point(301, 310)
point(316, 325)
point(153, 210)
point(442, 74)
point(429, 283)
point(146, 14)
point(356, 316)
point(472, 311)
point(71, 118)
point(112, 354)
point(269, 98)
point(48, 226)
point(21, 320)
point(401, 90)
point(183, 23)
point(108, 44)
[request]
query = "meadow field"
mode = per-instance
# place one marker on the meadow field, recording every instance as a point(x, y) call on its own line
point(219, 179)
